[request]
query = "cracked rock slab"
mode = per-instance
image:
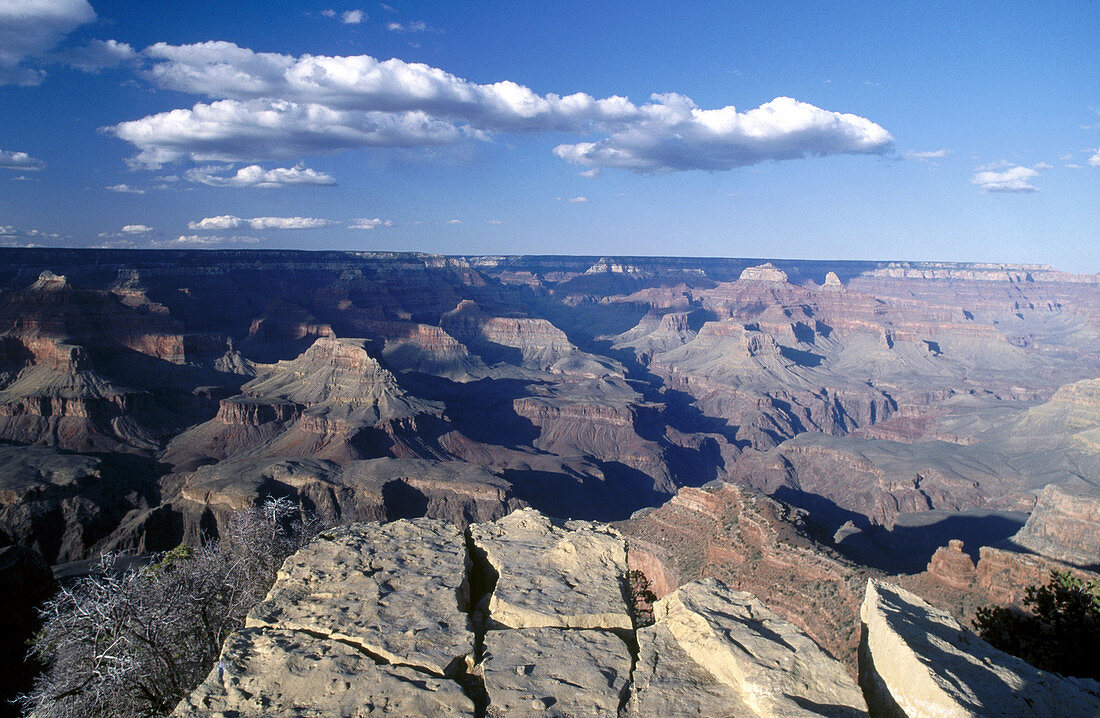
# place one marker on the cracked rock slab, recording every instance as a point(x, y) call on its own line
point(916, 660)
point(555, 672)
point(266, 672)
point(397, 590)
point(554, 574)
point(667, 682)
point(775, 668)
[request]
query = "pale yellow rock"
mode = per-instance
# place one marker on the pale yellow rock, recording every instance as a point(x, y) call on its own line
point(554, 671)
point(398, 590)
point(551, 573)
point(669, 683)
point(775, 668)
point(916, 660)
point(268, 672)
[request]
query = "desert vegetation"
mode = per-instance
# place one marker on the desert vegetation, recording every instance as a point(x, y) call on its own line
point(135, 642)
point(1060, 630)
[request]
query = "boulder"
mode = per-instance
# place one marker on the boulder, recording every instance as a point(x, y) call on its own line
point(916, 660)
point(568, 574)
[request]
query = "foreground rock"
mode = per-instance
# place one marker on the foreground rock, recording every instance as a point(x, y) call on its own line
point(916, 660)
point(389, 619)
point(758, 664)
point(569, 575)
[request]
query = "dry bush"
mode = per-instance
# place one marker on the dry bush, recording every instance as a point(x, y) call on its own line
point(134, 643)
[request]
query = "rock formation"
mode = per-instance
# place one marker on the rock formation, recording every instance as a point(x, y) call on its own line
point(1064, 524)
point(524, 616)
point(916, 660)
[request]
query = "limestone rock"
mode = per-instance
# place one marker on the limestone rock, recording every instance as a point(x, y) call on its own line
point(668, 682)
point(551, 671)
point(1065, 524)
point(775, 668)
point(275, 672)
point(766, 272)
point(398, 591)
point(832, 281)
point(566, 574)
point(916, 660)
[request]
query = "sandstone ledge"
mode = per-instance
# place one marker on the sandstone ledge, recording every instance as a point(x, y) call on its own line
point(916, 660)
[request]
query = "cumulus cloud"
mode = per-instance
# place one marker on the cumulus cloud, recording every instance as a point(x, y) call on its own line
point(1010, 178)
point(29, 29)
point(1094, 161)
point(99, 55)
point(454, 221)
point(572, 200)
point(495, 221)
point(367, 223)
point(256, 176)
point(256, 130)
point(267, 106)
point(228, 221)
point(137, 229)
point(10, 160)
point(126, 189)
point(674, 134)
point(353, 17)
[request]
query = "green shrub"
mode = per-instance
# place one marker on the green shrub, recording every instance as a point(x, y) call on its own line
point(1060, 632)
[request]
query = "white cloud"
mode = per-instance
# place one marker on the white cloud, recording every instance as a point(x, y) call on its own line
point(272, 106)
point(367, 223)
point(674, 134)
point(417, 26)
point(495, 221)
point(329, 12)
point(200, 240)
point(256, 176)
point(137, 229)
point(454, 221)
point(11, 236)
point(1094, 161)
point(228, 221)
point(99, 55)
point(30, 28)
point(126, 189)
point(10, 160)
point(1010, 178)
point(926, 156)
point(236, 131)
point(353, 17)
point(577, 200)
point(593, 172)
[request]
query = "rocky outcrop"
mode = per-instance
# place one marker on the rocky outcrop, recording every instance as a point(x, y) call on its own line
point(770, 667)
point(951, 566)
point(571, 575)
point(766, 272)
point(756, 544)
point(1065, 524)
point(404, 619)
point(916, 660)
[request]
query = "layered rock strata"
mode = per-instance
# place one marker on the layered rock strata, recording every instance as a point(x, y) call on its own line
point(916, 660)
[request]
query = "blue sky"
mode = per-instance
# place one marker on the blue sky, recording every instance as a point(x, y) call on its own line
point(962, 131)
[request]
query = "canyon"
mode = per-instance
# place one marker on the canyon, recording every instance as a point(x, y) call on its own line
point(791, 429)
